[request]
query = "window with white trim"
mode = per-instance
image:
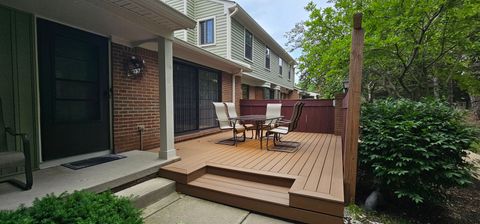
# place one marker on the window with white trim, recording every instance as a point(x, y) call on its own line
point(290, 73)
point(248, 45)
point(267, 58)
point(280, 65)
point(207, 31)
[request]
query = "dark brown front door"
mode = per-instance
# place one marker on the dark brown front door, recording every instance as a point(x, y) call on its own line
point(73, 70)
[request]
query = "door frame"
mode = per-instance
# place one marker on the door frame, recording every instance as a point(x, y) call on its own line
point(45, 164)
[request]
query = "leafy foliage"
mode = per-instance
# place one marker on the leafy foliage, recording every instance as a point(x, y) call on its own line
point(412, 49)
point(79, 207)
point(415, 150)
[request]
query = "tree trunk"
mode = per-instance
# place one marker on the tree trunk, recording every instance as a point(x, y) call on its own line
point(476, 106)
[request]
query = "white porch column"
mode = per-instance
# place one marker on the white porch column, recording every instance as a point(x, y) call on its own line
point(165, 69)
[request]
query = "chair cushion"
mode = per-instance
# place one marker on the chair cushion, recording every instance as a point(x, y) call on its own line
point(11, 159)
point(226, 127)
point(249, 125)
point(239, 128)
point(279, 130)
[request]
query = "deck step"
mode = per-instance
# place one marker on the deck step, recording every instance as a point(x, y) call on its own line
point(148, 192)
point(243, 188)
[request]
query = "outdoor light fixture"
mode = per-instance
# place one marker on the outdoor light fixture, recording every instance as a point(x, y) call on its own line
point(345, 85)
point(135, 66)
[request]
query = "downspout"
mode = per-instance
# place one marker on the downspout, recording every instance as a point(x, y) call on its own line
point(234, 94)
point(233, 88)
point(229, 31)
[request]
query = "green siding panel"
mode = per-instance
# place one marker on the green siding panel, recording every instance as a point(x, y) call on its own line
point(17, 88)
point(258, 62)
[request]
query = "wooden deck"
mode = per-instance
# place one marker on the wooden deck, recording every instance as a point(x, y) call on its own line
point(305, 186)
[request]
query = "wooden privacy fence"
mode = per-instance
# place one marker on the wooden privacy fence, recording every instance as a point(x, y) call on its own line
point(317, 116)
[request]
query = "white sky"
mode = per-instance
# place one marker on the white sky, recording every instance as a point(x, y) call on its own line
point(279, 16)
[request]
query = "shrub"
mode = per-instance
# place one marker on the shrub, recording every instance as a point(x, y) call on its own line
point(415, 150)
point(79, 207)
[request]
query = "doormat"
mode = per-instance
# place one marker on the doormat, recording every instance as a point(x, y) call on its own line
point(93, 161)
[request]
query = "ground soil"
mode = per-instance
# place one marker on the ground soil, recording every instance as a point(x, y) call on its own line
point(462, 206)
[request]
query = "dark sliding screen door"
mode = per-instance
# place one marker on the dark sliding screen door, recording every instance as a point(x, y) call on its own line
point(195, 89)
point(185, 88)
point(73, 70)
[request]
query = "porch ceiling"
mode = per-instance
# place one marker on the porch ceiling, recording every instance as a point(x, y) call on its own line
point(125, 21)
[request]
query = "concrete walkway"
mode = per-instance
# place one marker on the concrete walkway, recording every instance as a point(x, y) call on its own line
point(178, 208)
point(97, 178)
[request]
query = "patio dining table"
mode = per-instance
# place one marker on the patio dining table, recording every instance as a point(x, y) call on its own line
point(258, 120)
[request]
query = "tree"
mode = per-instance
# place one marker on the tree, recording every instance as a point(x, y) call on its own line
point(413, 48)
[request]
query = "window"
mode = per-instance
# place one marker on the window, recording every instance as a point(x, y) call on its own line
point(290, 73)
point(245, 92)
point(280, 64)
point(207, 31)
point(267, 58)
point(248, 45)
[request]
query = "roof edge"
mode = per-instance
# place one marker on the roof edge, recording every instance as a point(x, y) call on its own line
point(210, 54)
point(272, 43)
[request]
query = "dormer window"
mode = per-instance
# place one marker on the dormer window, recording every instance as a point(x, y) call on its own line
point(207, 31)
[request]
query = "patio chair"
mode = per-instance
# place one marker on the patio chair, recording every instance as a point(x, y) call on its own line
point(14, 159)
point(273, 110)
point(232, 112)
point(285, 127)
point(225, 124)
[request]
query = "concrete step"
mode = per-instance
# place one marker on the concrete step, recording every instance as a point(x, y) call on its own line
point(148, 192)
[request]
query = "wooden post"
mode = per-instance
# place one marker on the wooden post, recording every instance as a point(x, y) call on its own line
point(353, 111)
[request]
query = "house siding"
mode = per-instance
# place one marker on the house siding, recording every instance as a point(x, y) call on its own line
point(17, 85)
point(191, 33)
point(258, 63)
point(204, 9)
point(179, 5)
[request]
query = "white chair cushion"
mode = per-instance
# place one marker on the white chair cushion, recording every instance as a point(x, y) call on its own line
point(279, 130)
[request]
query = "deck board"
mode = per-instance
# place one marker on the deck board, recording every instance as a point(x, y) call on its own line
point(316, 168)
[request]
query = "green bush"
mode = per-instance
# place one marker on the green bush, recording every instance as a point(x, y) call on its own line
point(414, 150)
point(80, 207)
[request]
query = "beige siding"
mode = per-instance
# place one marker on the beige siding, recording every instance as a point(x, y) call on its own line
point(258, 62)
point(191, 33)
point(206, 9)
point(179, 6)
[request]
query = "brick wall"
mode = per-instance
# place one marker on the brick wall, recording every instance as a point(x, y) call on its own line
point(226, 87)
point(135, 101)
point(238, 92)
point(293, 95)
point(259, 93)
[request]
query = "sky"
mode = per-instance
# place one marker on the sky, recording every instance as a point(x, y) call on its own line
point(279, 16)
